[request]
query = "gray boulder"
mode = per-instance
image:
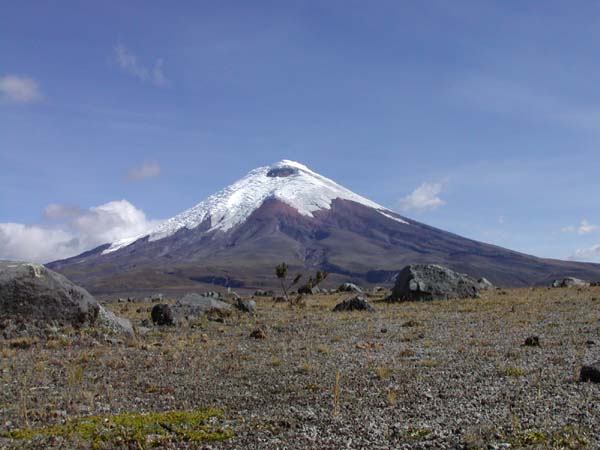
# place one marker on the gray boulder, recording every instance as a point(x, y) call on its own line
point(590, 373)
point(198, 304)
point(33, 292)
point(358, 303)
point(117, 324)
point(432, 282)
point(350, 287)
point(485, 285)
point(569, 282)
point(248, 306)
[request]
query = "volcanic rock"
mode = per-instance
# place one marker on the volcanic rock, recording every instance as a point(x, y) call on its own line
point(258, 333)
point(162, 315)
point(261, 293)
point(350, 287)
point(484, 284)
point(202, 303)
point(32, 293)
point(570, 282)
point(590, 373)
point(532, 341)
point(248, 306)
point(358, 303)
point(432, 282)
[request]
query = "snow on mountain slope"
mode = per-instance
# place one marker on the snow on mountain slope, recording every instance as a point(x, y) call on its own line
point(287, 181)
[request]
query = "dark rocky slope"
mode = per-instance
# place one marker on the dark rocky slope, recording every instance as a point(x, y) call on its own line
point(350, 240)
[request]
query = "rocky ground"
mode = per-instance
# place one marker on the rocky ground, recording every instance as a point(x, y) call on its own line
point(429, 375)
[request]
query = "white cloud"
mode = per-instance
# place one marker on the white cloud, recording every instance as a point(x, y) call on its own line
point(146, 170)
point(569, 229)
point(35, 243)
point(77, 230)
point(129, 63)
point(584, 227)
point(19, 89)
point(586, 254)
point(424, 198)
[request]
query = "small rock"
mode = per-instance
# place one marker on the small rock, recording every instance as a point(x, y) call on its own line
point(202, 303)
point(258, 334)
point(162, 315)
point(484, 284)
point(570, 282)
point(215, 318)
point(590, 373)
point(260, 293)
point(358, 303)
point(532, 341)
point(117, 324)
point(248, 306)
point(350, 287)
point(310, 290)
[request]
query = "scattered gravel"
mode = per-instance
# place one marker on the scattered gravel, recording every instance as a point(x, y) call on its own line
point(444, 375)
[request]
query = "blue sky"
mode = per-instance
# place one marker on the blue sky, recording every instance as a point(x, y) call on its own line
point(479, 117)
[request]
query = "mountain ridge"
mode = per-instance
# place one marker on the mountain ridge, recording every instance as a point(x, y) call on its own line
point(287, 180)
point(286, 212)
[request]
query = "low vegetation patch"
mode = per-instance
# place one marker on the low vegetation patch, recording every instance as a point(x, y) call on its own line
point(510, 371)
point(141, 430)
point(568, 437)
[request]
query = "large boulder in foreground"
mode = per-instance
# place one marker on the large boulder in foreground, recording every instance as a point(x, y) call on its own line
point(31, 293)
point(432, 282)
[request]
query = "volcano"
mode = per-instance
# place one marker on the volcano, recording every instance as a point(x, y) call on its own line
point(287, 212)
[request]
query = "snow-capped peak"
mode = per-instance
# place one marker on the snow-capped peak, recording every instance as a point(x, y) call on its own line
point(288, 181)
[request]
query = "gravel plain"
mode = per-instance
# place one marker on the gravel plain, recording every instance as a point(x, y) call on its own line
point(431, 375)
